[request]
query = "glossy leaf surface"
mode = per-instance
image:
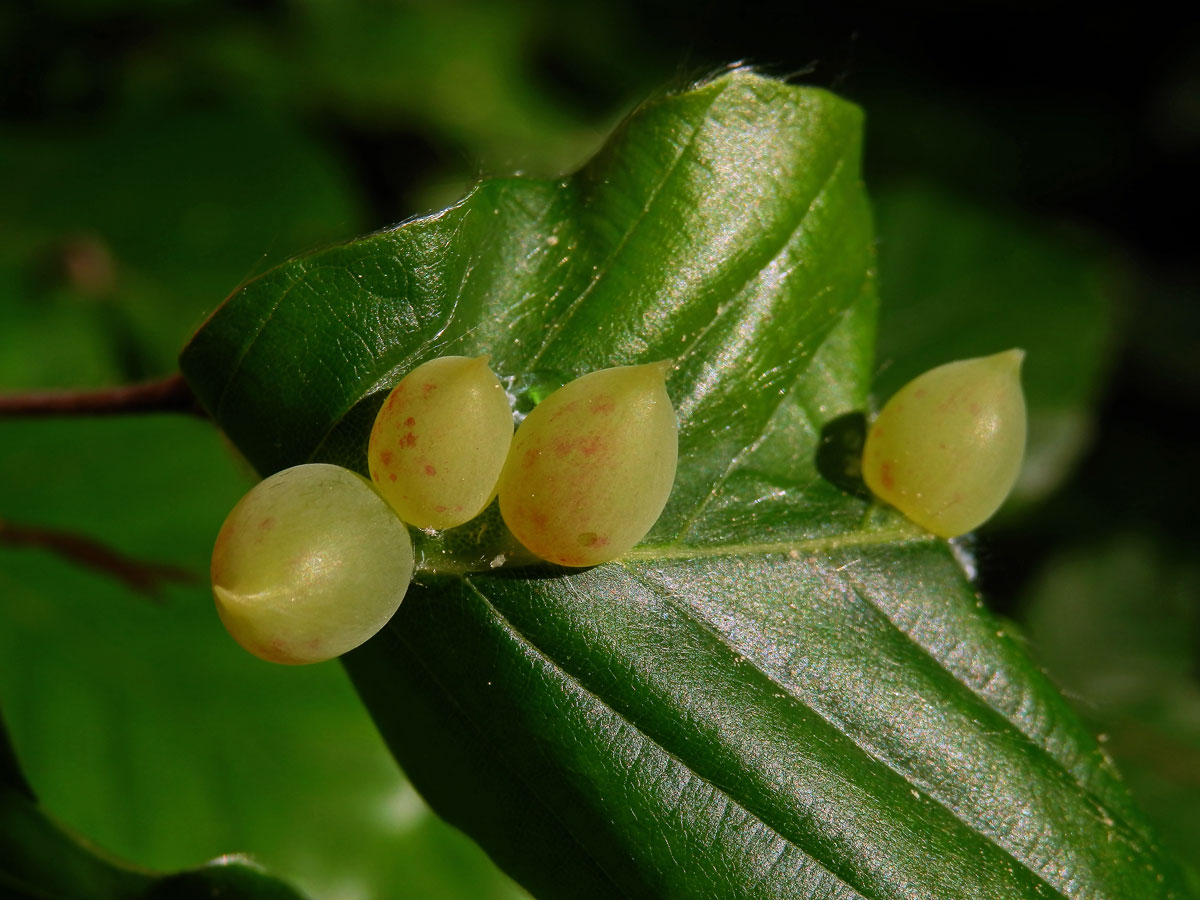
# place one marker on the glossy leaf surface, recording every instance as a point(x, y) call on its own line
point(781, 692)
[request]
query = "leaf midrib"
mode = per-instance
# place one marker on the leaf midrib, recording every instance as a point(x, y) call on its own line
point(895, 536)
point(904, 534)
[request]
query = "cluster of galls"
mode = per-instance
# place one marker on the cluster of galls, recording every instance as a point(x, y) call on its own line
point(315, 559)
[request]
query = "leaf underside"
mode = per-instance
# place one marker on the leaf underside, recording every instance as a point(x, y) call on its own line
point(784, 691)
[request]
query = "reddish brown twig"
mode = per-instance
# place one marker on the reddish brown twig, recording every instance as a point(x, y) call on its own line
point(141, 576)
point(169, 394)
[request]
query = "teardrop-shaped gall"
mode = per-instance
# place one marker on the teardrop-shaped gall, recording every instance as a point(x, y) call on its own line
point(946, 450)
point(309, 564)
point(592, 466)
point(440, 441)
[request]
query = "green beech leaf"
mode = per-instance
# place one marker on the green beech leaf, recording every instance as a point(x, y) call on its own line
point(784, 691)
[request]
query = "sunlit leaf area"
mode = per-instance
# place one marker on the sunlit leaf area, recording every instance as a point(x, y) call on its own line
point(786, 689)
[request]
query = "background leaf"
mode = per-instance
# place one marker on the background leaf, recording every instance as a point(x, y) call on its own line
point(1118, 627)
point(784, 692)
point(39, 860)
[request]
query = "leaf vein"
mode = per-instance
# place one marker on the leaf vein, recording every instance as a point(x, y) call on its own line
point(577, 684)
point(452, 701)
point(560, 322)
point(1099, 810)
point(668, 596)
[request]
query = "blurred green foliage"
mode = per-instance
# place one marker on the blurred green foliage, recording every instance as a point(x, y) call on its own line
point(155, 155)
point(1117, 623)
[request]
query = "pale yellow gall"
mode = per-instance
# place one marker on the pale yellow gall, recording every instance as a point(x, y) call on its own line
point(309, 564)
point(592, 466)
point(947, 448)
point(440, 440)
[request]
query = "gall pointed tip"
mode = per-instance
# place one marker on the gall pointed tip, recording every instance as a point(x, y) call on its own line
point(664, 367)
point(1011, 359)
